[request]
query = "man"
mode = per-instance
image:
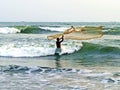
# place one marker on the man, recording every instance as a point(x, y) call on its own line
point(58, 45)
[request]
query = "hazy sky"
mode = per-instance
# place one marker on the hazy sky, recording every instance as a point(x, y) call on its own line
point(60, 10)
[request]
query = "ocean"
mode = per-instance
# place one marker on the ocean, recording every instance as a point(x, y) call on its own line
point(27, 60)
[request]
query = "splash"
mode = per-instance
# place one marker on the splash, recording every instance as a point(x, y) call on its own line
point(36, 49)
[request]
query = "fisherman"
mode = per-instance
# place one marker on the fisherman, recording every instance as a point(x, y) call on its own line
point(58, 45)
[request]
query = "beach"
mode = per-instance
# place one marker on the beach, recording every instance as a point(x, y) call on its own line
point(27, 59)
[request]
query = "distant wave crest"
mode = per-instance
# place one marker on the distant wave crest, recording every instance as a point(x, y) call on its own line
point(48, 29)
point(31, 29)
point(7, 30)
point(54, 28)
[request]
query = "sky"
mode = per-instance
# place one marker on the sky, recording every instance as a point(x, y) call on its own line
point(60, 10)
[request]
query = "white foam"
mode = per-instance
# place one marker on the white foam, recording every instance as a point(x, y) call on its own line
point(7, 30)
point(54, 28)
point(97, 74)
point(34, 50)
point(23, 51)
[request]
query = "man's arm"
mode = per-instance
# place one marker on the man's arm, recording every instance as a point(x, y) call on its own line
point(62, 38)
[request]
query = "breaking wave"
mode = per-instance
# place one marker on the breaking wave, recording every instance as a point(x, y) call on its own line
point(95, 51)
point(54, 28)
point(31, 29)
point(32, 49)
point(25, 29)
point(49, 29)
point(7, 30)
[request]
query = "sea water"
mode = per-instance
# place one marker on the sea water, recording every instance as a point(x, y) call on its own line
point(27, 60)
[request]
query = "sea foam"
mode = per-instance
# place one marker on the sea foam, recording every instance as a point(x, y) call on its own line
point(7, 30)
point(54, 28)
point(36, 50)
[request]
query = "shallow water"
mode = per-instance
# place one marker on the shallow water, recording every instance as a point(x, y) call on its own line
point(41, 74)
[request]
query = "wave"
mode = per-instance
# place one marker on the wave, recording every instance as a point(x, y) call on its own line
point(25, 29)
point(70, 50)
point(54, 28)
point(36, 49)
point(95, 51)
point(37, 69)
point(42, 29)
point(35, 30)
point(39, 78)
point(7, 30)
point(97, 48)
point(112, 31)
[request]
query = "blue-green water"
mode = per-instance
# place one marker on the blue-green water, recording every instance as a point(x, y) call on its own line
point(27, 57)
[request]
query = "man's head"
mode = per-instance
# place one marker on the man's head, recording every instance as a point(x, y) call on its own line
point(57, 39)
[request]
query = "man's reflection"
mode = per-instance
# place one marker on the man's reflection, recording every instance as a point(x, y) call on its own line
point(57, 58)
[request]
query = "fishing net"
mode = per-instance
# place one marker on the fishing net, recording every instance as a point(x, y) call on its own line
point(79, 33)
